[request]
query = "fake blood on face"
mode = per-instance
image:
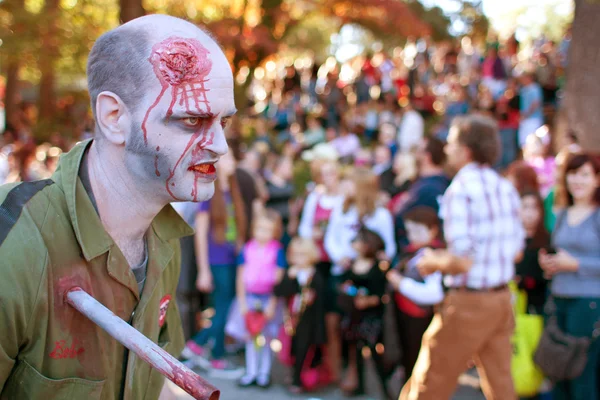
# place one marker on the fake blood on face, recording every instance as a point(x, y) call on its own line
point(182, 64)
point(156, 171)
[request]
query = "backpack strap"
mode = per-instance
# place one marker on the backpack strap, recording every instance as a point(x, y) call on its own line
point(13, 204)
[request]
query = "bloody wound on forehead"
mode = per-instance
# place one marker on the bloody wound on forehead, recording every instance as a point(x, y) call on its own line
point(143, 347)
point(182, 64)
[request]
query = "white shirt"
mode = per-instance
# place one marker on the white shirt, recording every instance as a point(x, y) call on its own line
point(305, 229)
point(410, 131)
point(342, 230)
point(425, 293)
point(480, 211)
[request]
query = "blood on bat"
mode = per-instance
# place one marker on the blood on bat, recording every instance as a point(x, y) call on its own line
point(192, 383)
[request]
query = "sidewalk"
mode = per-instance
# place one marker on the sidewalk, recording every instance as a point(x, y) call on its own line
point(230, 391)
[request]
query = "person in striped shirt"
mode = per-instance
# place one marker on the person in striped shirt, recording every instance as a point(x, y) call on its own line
point(484, 237)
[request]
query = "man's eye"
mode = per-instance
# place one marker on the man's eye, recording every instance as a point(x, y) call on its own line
point(192, 121)
point(225, 122)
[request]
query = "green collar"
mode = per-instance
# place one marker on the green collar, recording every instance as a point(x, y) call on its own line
point(90, 233)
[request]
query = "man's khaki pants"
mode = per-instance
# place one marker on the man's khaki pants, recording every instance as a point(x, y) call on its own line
point(468, 326)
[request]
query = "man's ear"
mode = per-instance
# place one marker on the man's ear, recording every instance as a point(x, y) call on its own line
point(113, 117)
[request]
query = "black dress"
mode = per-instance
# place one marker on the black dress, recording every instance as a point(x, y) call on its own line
point(532, 278)
point(310, 324)
point(363, 325)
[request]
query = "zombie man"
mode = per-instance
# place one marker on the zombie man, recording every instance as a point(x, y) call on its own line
point(162, 92)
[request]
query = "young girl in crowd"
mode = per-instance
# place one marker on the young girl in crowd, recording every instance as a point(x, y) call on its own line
point(220, 231)
point(360, 208)
point(317, 211)
point(359, 298)
point(535, 153)
point(529, 274)
point(416, 295)
point(303, 288)
point(261, 266)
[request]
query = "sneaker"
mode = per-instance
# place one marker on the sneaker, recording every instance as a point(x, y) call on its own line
point(196, 354)
point(225, 369)
point(263, 381)
point(247, 381)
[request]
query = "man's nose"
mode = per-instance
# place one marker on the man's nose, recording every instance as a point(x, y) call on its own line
point(219, 143)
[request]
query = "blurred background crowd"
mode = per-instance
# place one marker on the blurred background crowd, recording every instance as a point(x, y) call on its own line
point(319, 133)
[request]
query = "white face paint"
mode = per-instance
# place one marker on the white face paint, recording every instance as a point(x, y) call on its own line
point(418, 234)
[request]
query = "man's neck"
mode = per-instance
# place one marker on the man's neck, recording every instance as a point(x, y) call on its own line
point(430, 170)
point(125, 211)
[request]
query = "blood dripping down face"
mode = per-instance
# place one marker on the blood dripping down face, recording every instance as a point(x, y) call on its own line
point(178, 134)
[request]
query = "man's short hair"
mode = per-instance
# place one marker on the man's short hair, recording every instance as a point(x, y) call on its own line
point(118, 63)
point(435, 148)
point(479, 134)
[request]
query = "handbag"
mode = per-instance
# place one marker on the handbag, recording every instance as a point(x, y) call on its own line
point(561, 356)
point(527, 377)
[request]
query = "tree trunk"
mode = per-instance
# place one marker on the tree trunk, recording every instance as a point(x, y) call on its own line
point(131, 9)
point(47, 61)
point(11, 94)
point(581, 107)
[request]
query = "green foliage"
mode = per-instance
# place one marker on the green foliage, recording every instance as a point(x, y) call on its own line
point(302, 177)
point(313, 33)
point(435, 17)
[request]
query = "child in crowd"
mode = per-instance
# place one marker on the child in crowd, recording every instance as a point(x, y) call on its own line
point(360, 301)
point(529, 274)
point(261, 266)
point(303, 287)
point(416, 295)
point(535, 153)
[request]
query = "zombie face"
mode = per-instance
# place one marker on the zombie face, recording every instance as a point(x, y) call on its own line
point(177, 133)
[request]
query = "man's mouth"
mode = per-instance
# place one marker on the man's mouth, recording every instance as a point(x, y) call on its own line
point(206, 168)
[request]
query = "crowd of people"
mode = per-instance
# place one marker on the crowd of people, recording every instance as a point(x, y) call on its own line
point(390, 210)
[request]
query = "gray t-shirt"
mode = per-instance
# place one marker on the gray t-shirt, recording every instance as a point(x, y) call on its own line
point(582, 241)
point(139, 271)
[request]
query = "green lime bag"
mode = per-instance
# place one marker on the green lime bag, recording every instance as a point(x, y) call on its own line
point(528, 330)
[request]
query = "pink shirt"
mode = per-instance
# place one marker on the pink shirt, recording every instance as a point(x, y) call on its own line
point(545, 169)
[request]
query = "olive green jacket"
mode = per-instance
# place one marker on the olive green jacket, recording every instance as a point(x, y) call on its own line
point(51, 239)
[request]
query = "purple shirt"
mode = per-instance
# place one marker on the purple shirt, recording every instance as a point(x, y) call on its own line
point(222, 253)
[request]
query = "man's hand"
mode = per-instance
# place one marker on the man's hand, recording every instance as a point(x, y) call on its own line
point(429, 262)
point(204, 282)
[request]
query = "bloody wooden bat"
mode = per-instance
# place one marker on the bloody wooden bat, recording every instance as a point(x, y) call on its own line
point(146, 349)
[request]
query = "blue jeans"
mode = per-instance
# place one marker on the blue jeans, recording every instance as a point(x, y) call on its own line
point(221, 298)
point(577, 317)
point(508, 138)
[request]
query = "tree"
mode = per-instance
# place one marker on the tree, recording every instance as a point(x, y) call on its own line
point(581, 100)
point(434, 17)
point(379, 16)
point(50, 41)
point(16, 32)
